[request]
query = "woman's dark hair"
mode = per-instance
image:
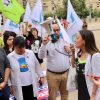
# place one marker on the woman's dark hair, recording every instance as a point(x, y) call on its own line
point(19, 41)
point(34, 29)
point(6, 35)
point(90, 44)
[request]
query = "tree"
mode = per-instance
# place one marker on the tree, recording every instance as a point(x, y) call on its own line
point(61, 12)
point(99, 14)
point(95, 13)
point(48, 15)
point(79, 6)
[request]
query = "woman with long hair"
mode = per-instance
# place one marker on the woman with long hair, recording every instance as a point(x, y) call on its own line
point(8, 41)
point(85, 42)
point(34, 42)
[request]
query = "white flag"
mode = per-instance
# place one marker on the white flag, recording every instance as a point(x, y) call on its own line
point(37, 17)
point(11, 26)
point(37, 13)
point(27, 13)
point(64, 33)
point(75, 23)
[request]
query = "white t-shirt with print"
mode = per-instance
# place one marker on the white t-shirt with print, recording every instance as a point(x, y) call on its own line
point(35, 46)
point(25, 74)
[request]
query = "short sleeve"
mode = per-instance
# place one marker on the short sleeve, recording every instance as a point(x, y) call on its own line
point(6, 61)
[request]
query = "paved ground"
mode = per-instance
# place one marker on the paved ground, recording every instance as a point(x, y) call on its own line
point(91, 26)
point(96, 28)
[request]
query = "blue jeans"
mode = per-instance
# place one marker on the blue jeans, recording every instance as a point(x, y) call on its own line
point(5, 93)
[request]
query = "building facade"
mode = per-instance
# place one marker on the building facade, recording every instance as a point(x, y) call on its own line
point(93, 4)
point(48, 5)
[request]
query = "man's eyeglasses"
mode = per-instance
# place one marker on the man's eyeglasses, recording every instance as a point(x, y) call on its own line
point(56, 30)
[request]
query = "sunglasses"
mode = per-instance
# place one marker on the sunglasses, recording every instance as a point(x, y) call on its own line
point(56, 30)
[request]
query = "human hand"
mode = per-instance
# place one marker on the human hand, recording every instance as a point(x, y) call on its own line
point(11, 90)
point(46, 39)
point(96, 80)
point(41, 81)
point(72, 48)
point(2, 85)
point(92, 97)
point(67, 49)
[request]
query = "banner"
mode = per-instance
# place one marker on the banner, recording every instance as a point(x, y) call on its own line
point(75, 23)
point(12, 10)
point(43, 92)
point(11, 26)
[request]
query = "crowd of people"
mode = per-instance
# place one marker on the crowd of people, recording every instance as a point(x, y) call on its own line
point(21, 58)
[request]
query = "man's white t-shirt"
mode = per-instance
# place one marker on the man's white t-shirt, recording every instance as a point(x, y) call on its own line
point(25, 74)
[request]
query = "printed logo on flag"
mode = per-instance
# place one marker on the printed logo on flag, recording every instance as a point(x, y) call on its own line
point(7, 3)
point(72, 18)
point(73, 37)
point(41, 16)
point(34, 22)
point(13, 24)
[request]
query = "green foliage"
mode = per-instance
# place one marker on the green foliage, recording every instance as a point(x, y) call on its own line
point(48, 15)
point(61, 12)
point(79, 6)
point(95, 13)
point(99, 14)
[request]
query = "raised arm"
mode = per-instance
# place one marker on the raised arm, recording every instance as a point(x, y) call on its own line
point(43, 51)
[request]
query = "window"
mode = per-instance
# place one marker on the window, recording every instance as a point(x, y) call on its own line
point(98, 4)
point(53, 8)
point(44, 4)
point(45, 8)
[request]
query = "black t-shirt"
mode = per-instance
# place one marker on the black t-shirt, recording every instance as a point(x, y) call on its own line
point(80, 66)
point(4, 62)
point(7, 50)
point(31, 40)
point(27, 41)
point(35, 45)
